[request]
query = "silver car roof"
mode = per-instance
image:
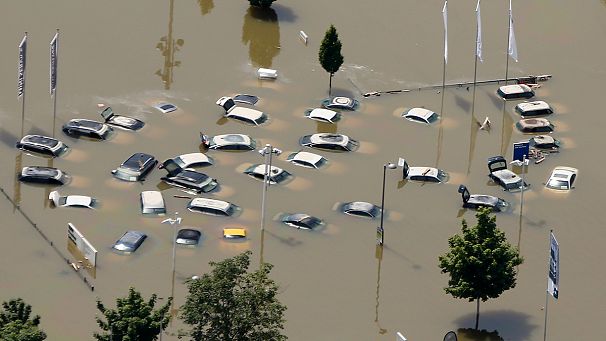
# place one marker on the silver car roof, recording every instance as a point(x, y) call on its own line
point(423, 171)
point(210, 203)
point(232, 139)
point(338, 139)
point(322, 113)
point(534, 105)
point(243, 112)
point(420, 112)
point(306, 157)
point(534, 122)
point(514, 89)
point(152, 199)
point(193, 158)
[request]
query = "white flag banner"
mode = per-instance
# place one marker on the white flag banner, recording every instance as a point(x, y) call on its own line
point(53, 63)
point(21, 67)
point(445, 15)
point(479, 33)
point(553, 280)
point(512, 48)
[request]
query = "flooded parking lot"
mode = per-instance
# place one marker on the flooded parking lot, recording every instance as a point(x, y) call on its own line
point(133, 55)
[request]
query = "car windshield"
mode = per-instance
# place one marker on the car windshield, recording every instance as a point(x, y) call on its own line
point(434, 117)
point(352, 144)
point(557, 184)
point(443, 176)
point(261, 119)
point(136, 162)
point(167, 107)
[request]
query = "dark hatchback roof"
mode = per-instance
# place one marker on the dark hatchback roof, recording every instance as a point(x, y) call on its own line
point(137, 161)
point(190, 175)
point(85, 123)
point(190, 234)
point(41, 171)
point(43, 140)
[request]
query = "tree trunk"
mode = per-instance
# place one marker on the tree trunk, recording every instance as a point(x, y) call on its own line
point(477, 312)
point(330, 85)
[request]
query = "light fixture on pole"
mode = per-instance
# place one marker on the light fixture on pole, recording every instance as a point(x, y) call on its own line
point(175, 223)
point(268, 151)
point(380, 230)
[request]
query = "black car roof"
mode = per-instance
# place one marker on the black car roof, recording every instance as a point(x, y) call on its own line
point(137, 160)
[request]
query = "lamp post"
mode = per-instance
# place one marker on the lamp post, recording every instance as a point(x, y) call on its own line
point(268, 151)
point(175, 223)
point(381, 231)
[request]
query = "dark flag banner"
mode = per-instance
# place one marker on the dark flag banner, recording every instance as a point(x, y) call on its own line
point(53, 64)
point(553, 280)
point(21, 67)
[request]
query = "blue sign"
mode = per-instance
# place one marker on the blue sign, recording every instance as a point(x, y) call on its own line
point(521, 149)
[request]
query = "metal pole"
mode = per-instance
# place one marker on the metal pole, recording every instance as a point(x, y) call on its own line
point(383, 206)
point(267, 153)
point(522, 186)
point(23, 90)
point(507, 49)
point(547, 290)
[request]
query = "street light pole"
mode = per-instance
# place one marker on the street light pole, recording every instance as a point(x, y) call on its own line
point(381, 230)
point(175, 223)
point(267, 152)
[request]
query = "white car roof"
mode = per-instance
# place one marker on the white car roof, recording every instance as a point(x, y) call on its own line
point(273, 171)
point(307, 157)
point(564, 172)
point(337, 139)
point(210, 203)
point(534, 122)
point(515, 89)
point(420, 112)
point(534, 105)
point(152, 199)
point(247, 113)
point(192, 158)
point(423, 171)
point(326, 114)
point(232, 139)
point(507, 176)
point(341, 100)
point(71, 200)
point(543, 139)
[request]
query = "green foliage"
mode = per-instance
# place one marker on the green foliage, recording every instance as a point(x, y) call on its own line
point(330, 55)
point(481, 263)
point(15, 322)
point(133, 319)
point(230, 303)
point(261, 3)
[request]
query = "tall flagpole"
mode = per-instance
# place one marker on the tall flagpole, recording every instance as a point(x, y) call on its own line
point(53, 75)
point(445, 15)
point(508, 40)
point(21, 77)
point(478, 55)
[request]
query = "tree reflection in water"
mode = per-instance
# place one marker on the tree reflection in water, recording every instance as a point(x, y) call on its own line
point(206, 6)
point(261, 32)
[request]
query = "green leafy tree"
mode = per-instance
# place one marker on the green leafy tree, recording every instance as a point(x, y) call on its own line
point(16, 324)
point(330, 55)
point(481, 262)
point(134, 319)
point(230, 303)
point(261, 3)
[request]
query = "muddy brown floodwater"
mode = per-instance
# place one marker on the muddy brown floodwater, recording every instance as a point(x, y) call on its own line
point(133, 54)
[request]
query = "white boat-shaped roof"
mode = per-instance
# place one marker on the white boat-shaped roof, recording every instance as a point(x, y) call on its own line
point(515, 89)
point(534, 105)
point(210, 203)
point(247, 113)
point(193, 158)
point(323, 114)
point(306, 157)
point(229, 139)
point(420, 112)
point(337, 139)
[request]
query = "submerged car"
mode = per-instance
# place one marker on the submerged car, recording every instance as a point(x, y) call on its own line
point(135, 168)
point(165, 108)
point(329, 141)
point(562, 178)
point(120, 121)
point(87, 128)
point(190, 180)
point(361, 209)
point(534, 108)
point(43, 175)
point(423, 174)
point(276, 174)
point(340, 102)
point(71, 200)
point(534, 126)
point(234, 233)
point(508, 180)
point(545, 143)
point(188, 237)
point(302, 221)
point(421, 115)
point(516, 91)
point(476, 201)
point(130, 241)
point(307, 159)
point(212, 207)
point(246, 115)
point(152, 202)
point(323, 115)
point(246, 99)
point(228, 142)
point(42, 145)
point(186, 161)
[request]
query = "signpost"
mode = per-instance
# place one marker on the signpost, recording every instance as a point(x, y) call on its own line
point(82, 249)
point(521, 149)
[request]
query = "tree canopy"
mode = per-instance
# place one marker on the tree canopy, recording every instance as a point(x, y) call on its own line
point(230, 303)
point(330, 55)
point(16, 324)
point(481, 262)
point(261, 3)
point(134, 319)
